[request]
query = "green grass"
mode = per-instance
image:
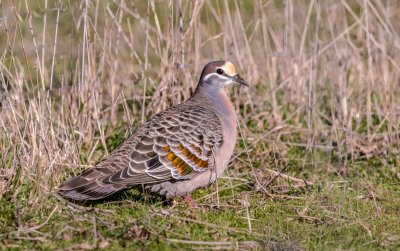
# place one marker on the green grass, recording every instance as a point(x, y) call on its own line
point(358, 212)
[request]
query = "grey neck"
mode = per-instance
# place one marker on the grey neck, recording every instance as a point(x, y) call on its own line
point(216, 99)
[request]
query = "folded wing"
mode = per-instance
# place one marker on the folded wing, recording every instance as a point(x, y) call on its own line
point(177, 144)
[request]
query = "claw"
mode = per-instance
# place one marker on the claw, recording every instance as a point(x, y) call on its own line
point(190, 201)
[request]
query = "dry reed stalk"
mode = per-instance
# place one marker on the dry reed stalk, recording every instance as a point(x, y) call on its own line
point(323, 77)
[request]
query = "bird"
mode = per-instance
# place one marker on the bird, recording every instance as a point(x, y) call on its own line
point(177, 151)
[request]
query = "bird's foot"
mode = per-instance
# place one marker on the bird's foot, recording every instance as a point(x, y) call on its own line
point(190, 201)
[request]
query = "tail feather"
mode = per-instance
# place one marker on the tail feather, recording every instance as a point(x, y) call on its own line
point(88, 186)
point(90, 191)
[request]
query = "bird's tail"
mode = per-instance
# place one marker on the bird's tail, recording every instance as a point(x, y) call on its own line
point(89, 185)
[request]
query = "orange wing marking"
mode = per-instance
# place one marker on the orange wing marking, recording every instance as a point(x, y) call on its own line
point(180, 165)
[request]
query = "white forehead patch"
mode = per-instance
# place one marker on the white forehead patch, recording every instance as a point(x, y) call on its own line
point(229, 69)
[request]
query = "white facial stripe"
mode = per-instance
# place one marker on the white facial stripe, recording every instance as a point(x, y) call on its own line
point(223, 79)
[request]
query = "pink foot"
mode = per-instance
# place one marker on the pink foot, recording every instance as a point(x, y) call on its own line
point(190, 201)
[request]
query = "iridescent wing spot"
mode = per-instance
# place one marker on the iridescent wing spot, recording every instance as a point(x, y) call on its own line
point(180, 165)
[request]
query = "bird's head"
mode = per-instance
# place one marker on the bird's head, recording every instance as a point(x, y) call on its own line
point(218, 74)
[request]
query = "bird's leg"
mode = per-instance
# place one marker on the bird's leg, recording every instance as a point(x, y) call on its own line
point(190, 201)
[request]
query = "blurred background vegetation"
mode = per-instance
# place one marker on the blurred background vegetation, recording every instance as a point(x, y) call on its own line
point(323, 106)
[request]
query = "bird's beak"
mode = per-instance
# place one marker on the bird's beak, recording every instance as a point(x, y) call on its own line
point(238, 79)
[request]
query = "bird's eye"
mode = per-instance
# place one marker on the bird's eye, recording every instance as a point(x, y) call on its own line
point(220, 71)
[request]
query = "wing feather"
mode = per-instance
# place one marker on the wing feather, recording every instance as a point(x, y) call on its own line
point(174, 145)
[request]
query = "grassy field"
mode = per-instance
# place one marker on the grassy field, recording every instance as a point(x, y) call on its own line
point(317, 162)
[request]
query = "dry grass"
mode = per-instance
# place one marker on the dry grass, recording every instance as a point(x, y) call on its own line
point(75, 75)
